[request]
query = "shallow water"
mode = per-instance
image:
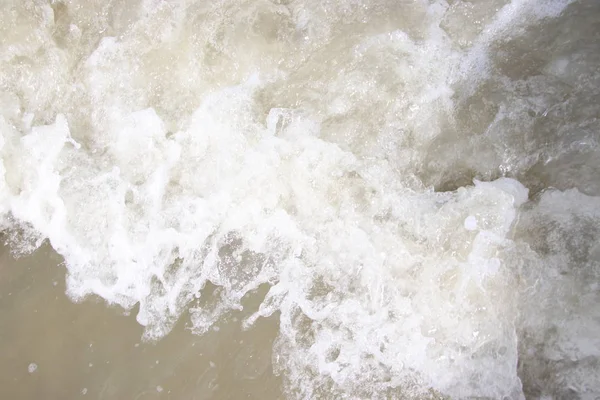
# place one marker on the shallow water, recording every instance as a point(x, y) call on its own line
point(300, 199)
point(89, 350)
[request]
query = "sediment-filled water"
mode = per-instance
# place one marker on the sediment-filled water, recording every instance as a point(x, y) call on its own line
point(353, 199)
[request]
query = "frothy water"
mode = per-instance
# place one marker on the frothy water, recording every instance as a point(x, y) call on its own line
point(414, 184)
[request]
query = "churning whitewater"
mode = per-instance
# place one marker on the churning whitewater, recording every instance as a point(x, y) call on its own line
point(416, 182)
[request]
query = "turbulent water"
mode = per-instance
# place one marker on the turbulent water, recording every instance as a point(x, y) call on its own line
point(415, 185)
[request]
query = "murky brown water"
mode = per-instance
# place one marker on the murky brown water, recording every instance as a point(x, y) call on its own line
point(89, 350)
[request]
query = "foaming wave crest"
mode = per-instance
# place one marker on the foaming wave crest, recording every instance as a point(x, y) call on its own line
point(370, 162)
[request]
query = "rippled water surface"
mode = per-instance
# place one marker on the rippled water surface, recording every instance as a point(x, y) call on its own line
point(352, 199)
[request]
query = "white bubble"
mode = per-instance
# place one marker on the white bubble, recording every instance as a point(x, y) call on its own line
point(470, 223)
point(32, 368)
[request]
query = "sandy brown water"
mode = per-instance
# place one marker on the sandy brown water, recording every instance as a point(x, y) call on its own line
point(89, 350)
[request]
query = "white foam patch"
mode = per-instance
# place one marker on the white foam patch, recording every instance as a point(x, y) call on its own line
point(403, 290)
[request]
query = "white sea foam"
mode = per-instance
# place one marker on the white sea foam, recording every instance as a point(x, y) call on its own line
point(162, 147)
